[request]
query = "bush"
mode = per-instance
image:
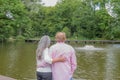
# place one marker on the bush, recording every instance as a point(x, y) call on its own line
point(20, 37)
point(67, 31)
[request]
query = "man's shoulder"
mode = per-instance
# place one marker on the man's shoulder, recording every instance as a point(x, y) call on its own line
point(68, 45)
point(53, 45)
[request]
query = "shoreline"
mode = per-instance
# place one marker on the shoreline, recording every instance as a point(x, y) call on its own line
point(6, 78)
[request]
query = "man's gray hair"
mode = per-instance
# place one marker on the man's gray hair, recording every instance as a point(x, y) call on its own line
point(42, 44)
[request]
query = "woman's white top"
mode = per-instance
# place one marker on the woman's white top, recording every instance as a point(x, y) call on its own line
point(47, 59)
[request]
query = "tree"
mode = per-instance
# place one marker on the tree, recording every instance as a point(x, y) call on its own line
point(13, 18)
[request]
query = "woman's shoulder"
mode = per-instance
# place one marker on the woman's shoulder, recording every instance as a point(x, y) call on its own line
point(45, 50)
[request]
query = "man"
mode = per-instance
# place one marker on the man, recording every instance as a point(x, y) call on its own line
point(63, 70)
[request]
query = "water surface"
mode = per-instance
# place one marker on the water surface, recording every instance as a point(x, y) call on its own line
point(17, 60)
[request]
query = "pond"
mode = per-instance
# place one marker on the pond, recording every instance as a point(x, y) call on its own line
point(17, 60)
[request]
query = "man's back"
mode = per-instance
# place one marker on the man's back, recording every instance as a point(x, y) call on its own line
point(63, 70)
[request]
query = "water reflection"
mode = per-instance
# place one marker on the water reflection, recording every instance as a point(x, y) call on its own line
point(98, 64)
point(11, 59)
point(90, 62)
point(17, 60)
point(110, 65)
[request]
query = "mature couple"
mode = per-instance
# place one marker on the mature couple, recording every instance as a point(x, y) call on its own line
point(57, 62)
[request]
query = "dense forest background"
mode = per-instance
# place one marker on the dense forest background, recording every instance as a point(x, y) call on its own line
point(80, 19)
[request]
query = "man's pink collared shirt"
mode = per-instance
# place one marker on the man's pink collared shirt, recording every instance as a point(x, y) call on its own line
point(63, 70)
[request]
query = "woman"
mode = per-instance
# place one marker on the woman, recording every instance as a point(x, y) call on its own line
point(44, 71)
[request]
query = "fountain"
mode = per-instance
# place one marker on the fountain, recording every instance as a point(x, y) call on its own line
point(89, 48)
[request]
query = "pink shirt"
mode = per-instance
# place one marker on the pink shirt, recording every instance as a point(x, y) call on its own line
point(63, 70)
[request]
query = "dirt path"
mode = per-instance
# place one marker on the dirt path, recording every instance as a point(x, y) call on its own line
point(6, 78)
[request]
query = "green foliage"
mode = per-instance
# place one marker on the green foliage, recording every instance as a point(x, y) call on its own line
point(20, 37)
point(14, 19)
point(67, 31)
point(77, 18)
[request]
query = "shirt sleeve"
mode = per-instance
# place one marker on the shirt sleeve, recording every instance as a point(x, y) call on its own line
point(41, 63)
point(73, 61)
point(47, 58)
